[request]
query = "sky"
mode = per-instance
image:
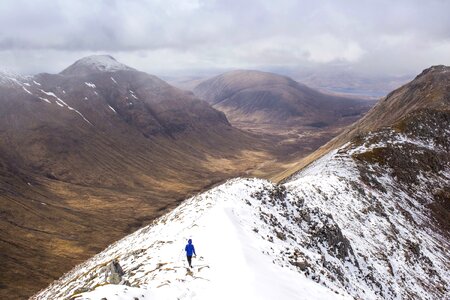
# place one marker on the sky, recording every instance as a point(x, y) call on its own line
point(181, 37)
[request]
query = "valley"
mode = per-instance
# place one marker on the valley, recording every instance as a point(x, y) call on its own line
point(368, 219)
point(302, 146)
point(101, 149)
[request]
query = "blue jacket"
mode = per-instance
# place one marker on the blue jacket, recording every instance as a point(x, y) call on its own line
point(189, 248)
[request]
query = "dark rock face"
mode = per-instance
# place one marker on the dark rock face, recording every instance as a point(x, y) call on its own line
point(319, 233)
point(328, 233)
point(411, 161)
point(426, 155)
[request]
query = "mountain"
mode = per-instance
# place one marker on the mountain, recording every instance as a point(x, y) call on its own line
point(267, 98)
point(91, 154)
point(429, 90)
point(368, 220)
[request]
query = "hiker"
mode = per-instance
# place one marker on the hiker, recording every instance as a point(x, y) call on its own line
point(189, 251)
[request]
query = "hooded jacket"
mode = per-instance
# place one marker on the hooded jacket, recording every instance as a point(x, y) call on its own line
point(190, 248)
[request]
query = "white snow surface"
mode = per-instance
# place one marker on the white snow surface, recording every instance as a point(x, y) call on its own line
point(233, 261)
point(324, 234)
point(110, 107)
point(8, 77)
point(90, 84)
point(133, 95)
point(103, 63)
point(11, 79)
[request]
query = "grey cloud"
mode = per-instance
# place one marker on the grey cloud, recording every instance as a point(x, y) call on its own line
point(169, 35)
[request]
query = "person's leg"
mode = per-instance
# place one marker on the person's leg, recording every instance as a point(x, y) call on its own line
point(189, 259)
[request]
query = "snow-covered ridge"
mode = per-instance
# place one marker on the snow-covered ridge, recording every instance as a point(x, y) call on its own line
point(345, 228)
point(105, 63)
point(236, 245)
point(11, 78)
point(94, 64)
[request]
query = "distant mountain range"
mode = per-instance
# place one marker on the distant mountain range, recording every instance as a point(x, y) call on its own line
point(350, 83)
point(330, 80)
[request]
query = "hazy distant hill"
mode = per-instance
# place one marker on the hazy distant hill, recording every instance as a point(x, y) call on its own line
point(267, 98)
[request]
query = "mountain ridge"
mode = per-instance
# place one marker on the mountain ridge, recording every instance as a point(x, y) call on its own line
point(429, 89)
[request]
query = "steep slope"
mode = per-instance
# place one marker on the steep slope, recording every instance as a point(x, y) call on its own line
point(221, 223)
point(92, 154)
point(429, 90)
point(367, 221)
point(260, 97)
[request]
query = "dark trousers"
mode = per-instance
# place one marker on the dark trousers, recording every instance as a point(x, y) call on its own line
point(189, 258)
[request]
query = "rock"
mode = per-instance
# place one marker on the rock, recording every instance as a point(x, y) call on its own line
point(114, 272)
point(302, 265)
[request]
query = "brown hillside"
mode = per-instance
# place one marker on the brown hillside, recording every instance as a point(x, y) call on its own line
point(429, 90)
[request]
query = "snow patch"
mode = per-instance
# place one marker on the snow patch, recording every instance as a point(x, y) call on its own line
point(133, 95)
point(61, 103)
point(90, 84)
point(25, 89)
point(45, 99)
point(112, 109)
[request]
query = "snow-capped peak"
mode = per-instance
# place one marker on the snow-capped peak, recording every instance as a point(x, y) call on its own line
point(95, 64)
point(7, 76)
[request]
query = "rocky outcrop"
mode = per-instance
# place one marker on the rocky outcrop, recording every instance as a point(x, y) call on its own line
point(114, 273)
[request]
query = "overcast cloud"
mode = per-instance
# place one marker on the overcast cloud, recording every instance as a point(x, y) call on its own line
point(165, 37)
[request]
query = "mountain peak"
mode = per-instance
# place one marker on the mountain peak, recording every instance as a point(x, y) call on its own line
point(435, 69)
point(95, 64)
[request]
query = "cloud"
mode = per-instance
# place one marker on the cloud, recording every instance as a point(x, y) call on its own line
point(163, 36)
